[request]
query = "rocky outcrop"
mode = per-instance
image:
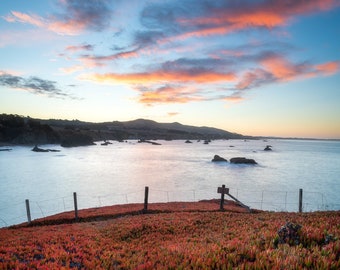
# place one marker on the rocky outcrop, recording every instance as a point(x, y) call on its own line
point(242, 160)
point(268, 148)
point(106, 143)
point(37, 149)
point(217, 158)
point(146, 141)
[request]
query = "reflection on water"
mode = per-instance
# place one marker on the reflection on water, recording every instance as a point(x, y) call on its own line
point(174, 171)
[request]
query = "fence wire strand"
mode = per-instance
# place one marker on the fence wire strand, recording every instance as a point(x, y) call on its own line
point(270, 200)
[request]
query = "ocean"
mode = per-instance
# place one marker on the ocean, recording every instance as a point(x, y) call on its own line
point(173, 171)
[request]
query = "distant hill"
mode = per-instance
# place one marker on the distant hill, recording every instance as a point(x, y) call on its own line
point(16, 129)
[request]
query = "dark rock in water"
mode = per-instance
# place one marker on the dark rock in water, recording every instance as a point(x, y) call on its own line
point(77, 140)
point(106, 143)
point(146, 141)
point(188, 141)
point(217, 158)
point(37, 149)
point(5, 149)
point(268, 148)
point(242, 160)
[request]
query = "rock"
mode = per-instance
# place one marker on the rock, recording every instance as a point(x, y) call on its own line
point(37, 149)
point(106, 143)
point(217, 158)
point(268, 148)
point(242, 160)
point(146, 141)
point(187, 141)
point(6, 149)
point(289, 234)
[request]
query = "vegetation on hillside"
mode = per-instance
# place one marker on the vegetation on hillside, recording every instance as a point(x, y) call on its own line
point(15, 129)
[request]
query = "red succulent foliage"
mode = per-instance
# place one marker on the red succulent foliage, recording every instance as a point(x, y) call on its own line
point(178, 236)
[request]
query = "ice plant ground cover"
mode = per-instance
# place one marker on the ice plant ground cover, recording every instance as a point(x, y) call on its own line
point(176, 236)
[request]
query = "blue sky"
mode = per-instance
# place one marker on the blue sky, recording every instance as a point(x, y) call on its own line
point(251, 67)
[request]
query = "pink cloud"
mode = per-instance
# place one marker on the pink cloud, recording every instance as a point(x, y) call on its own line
point(268, 14)
point(169, 94)
point(73, 69)
point(16, 16)
point(160, 76)
point(328, 68)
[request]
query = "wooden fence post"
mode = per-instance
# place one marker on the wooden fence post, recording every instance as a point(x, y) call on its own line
point(222, 198)
point(75, 205)
point(146, 198)
point(28, 211)
point(300, 200)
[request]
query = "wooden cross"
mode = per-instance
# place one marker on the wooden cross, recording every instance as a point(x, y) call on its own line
point(223, 190)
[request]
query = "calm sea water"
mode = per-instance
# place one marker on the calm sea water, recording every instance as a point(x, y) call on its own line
point(174, 171)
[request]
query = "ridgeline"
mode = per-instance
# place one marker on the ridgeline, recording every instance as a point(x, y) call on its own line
point(19, 130)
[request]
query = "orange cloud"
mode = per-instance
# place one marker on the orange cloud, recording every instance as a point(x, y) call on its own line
point(72, 27)
point(169, 94)
point(268, 14)
point(283, 70)
point(280, 68)
point(234, 98)
point(172, 113)
point(160, 76)
point(328, 68)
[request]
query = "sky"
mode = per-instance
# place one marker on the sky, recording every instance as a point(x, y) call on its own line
point(261, 68)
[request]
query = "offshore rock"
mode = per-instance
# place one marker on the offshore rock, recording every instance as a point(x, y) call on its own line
point(242, 160)
point(217, 158)
point(268, 148)
point(37, 149)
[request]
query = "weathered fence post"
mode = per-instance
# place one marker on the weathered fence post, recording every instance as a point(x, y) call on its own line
point(300, 200)
point(28, 211)
point(75, 205)
point(222, 198)
point(146, 198)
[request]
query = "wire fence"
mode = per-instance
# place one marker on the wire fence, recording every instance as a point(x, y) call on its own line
point(269, 200)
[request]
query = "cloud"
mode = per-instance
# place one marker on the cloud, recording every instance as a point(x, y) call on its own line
point(76, 48)
point(168, 94)
point(147, 78)
point(75, 16)
point(254, 78)
point(16, 16)
point(33, 85)
point(328, 68)
point(172, 114)
point(72, 69)
point(205, 18)
point(276, 68)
